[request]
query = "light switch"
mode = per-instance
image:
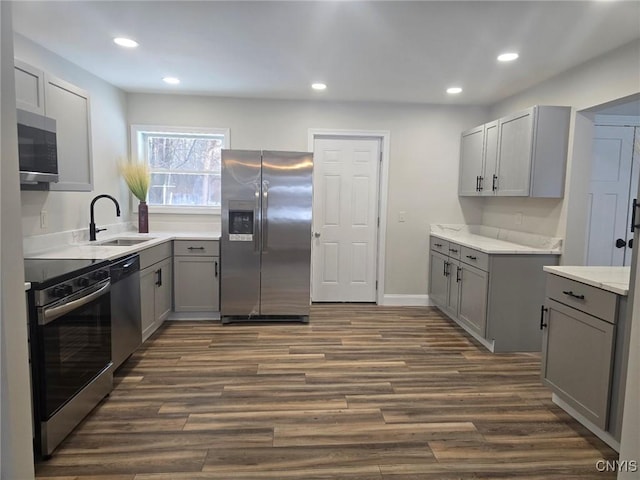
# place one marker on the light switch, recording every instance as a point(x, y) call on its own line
point(401, 216)
point(43, 219)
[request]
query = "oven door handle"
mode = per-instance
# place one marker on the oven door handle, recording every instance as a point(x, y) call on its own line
point(50, 314)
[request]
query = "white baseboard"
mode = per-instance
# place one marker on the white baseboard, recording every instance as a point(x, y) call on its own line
point(400, 300)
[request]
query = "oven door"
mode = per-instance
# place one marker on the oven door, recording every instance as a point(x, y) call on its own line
point(74, 343)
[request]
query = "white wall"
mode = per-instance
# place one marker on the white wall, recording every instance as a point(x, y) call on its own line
point(70, 210)
point(16, 459)
point(424, 150)
point(609, 77)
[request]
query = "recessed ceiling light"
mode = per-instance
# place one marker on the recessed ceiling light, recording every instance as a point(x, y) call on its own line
point(507, 57)
point(318, 86)
point(454, 90)
point(125, 42)
point(171, 80)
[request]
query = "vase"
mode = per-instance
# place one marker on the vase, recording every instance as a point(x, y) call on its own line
point(143, 217)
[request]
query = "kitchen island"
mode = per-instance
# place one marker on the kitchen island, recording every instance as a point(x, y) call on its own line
point(586, 344)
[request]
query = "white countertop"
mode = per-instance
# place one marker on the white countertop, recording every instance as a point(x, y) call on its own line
point(497, 241)
point(612, 279)
point(94, 250)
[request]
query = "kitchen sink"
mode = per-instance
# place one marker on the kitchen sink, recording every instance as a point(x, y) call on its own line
point(123, 242)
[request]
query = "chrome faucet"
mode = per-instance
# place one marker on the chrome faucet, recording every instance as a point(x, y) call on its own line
point(92, 225)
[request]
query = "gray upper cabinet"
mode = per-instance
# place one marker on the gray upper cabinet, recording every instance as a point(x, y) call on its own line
point(523, 154)
point(69, 105)
point(471, 162)
point(478, 160)
point(29, 88)
point(42, 93)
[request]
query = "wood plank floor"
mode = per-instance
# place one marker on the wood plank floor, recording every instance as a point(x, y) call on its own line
point(361, 392)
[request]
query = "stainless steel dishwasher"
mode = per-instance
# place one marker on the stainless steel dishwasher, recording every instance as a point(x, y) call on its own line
point(126, 326)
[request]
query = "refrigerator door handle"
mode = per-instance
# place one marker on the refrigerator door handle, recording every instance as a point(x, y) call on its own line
point(256, 220)
point(265, 217)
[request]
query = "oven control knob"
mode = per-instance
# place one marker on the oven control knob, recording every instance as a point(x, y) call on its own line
point(62, 290)
point(100, 275)
point(82, 282)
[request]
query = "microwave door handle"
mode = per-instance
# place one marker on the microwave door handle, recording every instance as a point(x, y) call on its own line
point(51, 314)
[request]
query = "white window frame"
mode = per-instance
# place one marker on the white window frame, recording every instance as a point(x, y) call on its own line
point(138, 155)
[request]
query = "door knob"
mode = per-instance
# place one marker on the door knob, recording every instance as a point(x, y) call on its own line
point(620, 243)
point(316, 234)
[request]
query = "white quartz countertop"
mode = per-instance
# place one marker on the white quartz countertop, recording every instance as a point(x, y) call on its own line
point(94, 250)
point(612, 279)
point(497, 241)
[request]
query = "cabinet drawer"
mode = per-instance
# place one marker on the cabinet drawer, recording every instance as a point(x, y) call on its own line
point(588, 299)
point(198, 248)
point(439, 245)
point(454, 250)
point(474, 257)
point(154, 254)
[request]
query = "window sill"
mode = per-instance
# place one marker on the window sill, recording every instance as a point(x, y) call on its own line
point(182, 210)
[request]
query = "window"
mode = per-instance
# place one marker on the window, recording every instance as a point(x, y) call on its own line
point(185, 165)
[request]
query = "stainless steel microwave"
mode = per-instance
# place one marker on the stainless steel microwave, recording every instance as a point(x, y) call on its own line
point(37, 148)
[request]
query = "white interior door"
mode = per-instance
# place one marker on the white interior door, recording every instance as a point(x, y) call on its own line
point(345, 217)
point(608, 200)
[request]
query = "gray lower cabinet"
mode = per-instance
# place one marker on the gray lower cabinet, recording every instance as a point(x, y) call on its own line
point(472, 309)
point(155, 287)
point(459, 289)
point(585, 345)
point(495, 297)
point(196, 267)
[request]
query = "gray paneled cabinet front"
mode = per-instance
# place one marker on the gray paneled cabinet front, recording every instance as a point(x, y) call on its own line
point(496, 297)
point(459, 289)
point(196, 276)
point(521, 155)
point(39, 92)
point(156, 278)
point(585, 350)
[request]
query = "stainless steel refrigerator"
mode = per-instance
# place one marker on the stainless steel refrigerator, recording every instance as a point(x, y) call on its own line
point(265, 253)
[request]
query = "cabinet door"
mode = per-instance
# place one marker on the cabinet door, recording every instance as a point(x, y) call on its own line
point(216, 283)
point(69, 105)
point(515, 146)
point(29, 88)
point(472, 309)
point(453, 292)
point(195, 284)
point(163, 280)
point(438, 280)
point(471, 153)
point(490, 159)
point(577, 356)
point(147, 302)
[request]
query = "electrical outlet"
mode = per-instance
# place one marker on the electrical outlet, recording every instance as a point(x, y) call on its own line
point(43, 219)
point(401, 216)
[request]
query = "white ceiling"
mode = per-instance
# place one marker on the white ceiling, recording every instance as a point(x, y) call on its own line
point(388, 51)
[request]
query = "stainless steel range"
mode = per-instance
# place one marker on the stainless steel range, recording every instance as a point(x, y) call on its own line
point(70, 344)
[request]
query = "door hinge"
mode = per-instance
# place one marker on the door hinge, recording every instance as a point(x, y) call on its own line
point(378, 221)
point(376, 284)
point(380, 157)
